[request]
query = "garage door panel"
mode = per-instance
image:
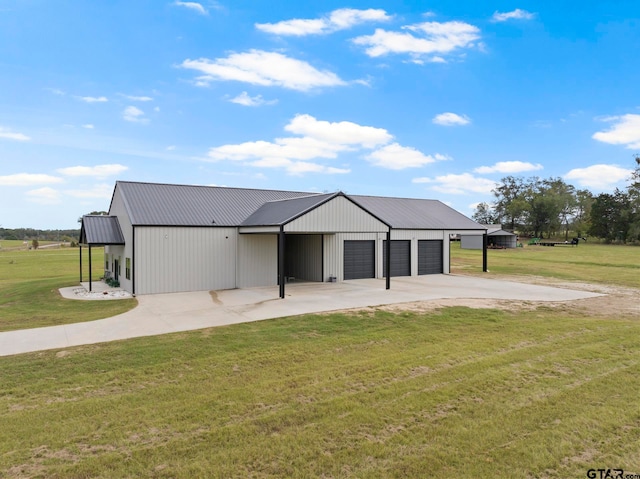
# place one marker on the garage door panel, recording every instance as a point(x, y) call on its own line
point(359, 259)
point(429, 257)
point(400, 258)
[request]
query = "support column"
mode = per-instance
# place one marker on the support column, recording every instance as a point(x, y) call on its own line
point(80, 248)
point(281, 263)
point(90, 268)
point(388, 259)
point(484, 253)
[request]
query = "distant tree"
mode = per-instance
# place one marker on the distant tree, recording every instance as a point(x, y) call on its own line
point(610, 216)
point(484, 214)
point(582, 212)
point(511, 204)
point(35, 243)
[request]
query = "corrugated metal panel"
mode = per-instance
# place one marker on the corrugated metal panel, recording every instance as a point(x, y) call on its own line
point(410, 213)
point(173, 259)
point(338, 214)
point(334, 252)
point(416, 234)
point(471, 242)
point(118, 209)
point(258, 229)
point(430, 257)
point(281, 211)
point(359, 259)
point(183, 205)
point(303, 257)
point(257, 260)
point(400, 258)
point(101, 230)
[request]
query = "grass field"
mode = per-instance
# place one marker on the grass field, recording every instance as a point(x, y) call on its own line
point(591, 263)
point(540, 392)
point(29, 282)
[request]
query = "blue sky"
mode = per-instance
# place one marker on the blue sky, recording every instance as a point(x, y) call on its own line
point(432, 99)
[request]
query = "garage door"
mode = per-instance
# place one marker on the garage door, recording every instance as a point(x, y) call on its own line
point(400, 258)
point(429, 257)
point(359, 259)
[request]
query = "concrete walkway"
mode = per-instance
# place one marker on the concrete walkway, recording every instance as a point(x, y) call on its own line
point(168, 313)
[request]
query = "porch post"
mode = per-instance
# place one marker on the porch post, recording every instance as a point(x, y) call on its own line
point(281, 262)
point(80, 248)
point(484, 252)
point(388, 259)
point(89, 268)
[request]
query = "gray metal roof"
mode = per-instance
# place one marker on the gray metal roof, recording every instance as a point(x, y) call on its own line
point(100, 230)
point(414, 213)
point(183, 205)
point(281, 212)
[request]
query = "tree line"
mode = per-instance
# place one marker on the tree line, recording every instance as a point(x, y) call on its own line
point(551, 207)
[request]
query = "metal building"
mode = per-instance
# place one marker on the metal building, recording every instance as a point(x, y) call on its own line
point(190, 238)
point(496, 238)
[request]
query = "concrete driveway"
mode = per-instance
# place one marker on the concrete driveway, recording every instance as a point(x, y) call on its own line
point(168, 313)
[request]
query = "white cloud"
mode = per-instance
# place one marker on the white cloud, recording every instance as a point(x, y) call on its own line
point(93, 99)
point(10, 135)
point(245, 100)
point(603, 177)
point(624, 131)
point(516, 14)
point(134, 114)
point(99, 171)
point(170, 148)
point(342, 133)
point(433, 38)
point(101, 191)
point(451, 119)
point(458, 184)
point(28, 179)
point(397, 157)
point(258, 67)
point(509, 167)
point(196, 7)
point(55, 91)
point(340, 19)
point(45, 196)
point(88, 126)
point(322, 140)
point(137, 98)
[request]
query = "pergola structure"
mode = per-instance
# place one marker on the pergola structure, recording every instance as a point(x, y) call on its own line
point(98, 230)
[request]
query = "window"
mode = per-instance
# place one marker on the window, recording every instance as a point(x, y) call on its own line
point(127, 268)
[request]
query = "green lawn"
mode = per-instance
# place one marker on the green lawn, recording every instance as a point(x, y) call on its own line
point(549, 392)
point(589, 263)
point(29, 283)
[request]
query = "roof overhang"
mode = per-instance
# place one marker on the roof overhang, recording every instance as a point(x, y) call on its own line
point(100, 230)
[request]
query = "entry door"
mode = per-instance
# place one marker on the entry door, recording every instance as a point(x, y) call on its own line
point(430, 257)
point(400, 258)
point(359, 259)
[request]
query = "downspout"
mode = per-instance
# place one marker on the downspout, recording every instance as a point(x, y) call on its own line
point(388, 259)
point(281, 261)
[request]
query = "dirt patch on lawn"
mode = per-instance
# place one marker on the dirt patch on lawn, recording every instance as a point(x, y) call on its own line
point(616, 300)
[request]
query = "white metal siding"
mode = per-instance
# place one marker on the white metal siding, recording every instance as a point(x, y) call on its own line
point(257, 260)
point(338, 214)
point(173, 259)
point(118, 209)
point(470, 242)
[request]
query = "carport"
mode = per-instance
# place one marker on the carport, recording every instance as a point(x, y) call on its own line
point(301, 224)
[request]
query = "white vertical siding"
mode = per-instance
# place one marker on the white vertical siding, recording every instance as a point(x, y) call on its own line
point(338, 214)
point(257, 260)
point(118, 209)
point(173, 259)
